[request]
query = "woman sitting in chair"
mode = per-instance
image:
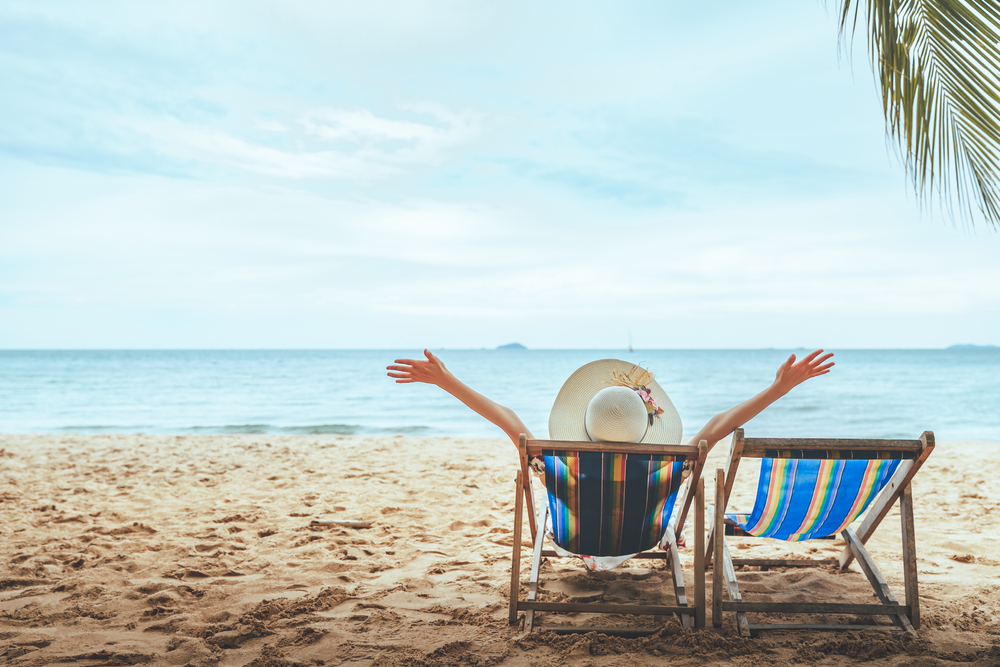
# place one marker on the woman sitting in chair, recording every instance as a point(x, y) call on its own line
point(612, 401)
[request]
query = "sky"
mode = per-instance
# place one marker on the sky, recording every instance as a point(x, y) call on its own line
point(463, 175)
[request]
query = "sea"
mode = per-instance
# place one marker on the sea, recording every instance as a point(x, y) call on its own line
point(869, 393)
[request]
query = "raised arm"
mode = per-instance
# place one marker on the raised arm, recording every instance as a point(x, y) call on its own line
point(790, 374)
point(433, 371)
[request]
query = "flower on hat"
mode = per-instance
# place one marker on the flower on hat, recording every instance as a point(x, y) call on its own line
point(651, 407)
point(635, 379)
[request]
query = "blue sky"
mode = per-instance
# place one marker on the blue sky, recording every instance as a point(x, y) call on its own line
point(462, 174)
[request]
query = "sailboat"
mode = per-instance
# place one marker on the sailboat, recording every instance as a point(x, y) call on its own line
point(630, 340)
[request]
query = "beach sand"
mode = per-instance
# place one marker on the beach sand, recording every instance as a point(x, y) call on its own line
point(199, 550)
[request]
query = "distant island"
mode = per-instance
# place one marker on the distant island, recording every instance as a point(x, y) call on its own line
point(512, 346)
point(969, 346)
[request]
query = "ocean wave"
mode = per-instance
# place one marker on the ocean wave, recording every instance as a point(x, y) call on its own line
point(102, 428)
point(351, 429)
point(310, 429)
point(246, 429)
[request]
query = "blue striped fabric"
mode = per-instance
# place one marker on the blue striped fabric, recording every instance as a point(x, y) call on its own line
point(610, 504)
point(798, 499)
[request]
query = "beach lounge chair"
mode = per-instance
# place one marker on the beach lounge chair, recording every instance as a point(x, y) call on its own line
point(610, 499)
point(814, 489)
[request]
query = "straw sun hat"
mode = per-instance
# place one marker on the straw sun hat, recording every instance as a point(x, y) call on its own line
point(615, 401)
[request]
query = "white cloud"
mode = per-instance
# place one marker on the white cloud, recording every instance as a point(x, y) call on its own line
point(362, 126)
point(269, 125)
point(213, 148)
point(366, 146)
point(394, 141)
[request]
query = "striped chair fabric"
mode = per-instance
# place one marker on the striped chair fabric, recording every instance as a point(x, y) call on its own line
point(606, 504)
point(801, 499)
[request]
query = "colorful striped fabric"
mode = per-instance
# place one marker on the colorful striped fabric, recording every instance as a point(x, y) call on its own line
point(799, 499)
point(610, 504)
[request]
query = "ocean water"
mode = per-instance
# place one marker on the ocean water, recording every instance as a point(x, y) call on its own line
point(870, 393)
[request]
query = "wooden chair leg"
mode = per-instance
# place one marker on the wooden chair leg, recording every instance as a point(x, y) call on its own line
point(718, 532)
point(699, 555)
point(515, 559)
point(723, 571)
point(912, 596)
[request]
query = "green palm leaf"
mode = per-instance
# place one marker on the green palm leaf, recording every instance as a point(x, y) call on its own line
point(938, 63)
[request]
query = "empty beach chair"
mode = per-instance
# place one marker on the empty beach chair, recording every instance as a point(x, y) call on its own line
point(814, 489)
point(607, 499)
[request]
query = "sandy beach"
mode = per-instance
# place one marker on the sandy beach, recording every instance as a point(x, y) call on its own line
point(200, 550)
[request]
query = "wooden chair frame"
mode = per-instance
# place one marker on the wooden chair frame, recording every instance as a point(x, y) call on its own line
point(691, 615)
point(906, 616)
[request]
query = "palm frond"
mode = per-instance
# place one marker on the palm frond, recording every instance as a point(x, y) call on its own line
point(938, 65)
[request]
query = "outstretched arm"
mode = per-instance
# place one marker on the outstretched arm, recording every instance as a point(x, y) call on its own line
point(789, 375)
point(433, 371)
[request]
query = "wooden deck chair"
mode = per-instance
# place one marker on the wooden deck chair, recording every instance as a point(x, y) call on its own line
point(814, 489)
point(610, 499)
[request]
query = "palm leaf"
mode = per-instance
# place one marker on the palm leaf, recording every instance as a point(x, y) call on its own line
point(938, 65)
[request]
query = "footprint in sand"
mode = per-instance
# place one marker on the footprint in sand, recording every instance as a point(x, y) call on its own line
point(237, 517)
point(164, 598)
point(136, 527)
point(151, 588)
point(576, 587)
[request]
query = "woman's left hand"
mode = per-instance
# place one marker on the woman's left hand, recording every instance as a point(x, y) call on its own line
point(793, 373)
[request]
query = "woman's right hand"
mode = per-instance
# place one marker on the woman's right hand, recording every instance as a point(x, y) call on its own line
point(432, 370)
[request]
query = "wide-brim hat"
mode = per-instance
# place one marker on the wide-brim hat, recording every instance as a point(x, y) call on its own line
point(568, 419)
